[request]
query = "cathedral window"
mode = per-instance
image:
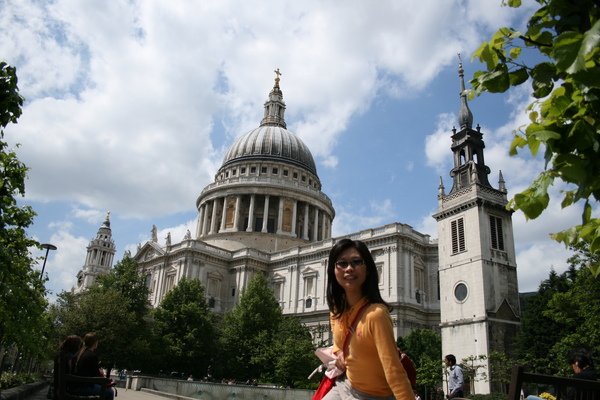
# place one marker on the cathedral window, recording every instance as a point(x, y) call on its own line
point(496, 233)
point(295, 175)
point(233, 172)
point(458, 236)
point(252, 170)
point(243, 171)
point(148, 280)
point(303, 178)
point(213, 288)
point(275, 171)
point(170, 282)
point(285, 172)
point(379, 267)
point(263, 170)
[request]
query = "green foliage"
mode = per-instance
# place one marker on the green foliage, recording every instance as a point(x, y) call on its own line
point(293, 354)
point(577, 310)
point(22, 292)
point(539, 332)
point(563, 314)
point(12, 379)
point(121, 332)
point(491, 396)
point(184, 326)
point(257, 342)
point(124, 278)
point(424, 347)
point(565, 117)
point(249, 332)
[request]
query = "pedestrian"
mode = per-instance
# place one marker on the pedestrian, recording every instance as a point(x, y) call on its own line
point(455, 378)
point(358, 313)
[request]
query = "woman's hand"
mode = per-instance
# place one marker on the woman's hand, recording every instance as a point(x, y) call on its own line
point(340, 362)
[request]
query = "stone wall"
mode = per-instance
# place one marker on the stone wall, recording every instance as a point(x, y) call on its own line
point(216, 391)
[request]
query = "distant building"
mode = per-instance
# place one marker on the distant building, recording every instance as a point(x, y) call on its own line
point(99, 259)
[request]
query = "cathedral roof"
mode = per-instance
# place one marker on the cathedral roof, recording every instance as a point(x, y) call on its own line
point(271, 141)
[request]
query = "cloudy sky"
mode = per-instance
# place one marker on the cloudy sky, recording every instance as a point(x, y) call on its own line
point(131, 105)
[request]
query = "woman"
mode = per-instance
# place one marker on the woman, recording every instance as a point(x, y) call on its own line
point(373, 368)
point(68, 348)
point(87, 364)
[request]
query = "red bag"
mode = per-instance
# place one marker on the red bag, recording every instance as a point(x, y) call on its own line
point(324, 388)
point(409, 367)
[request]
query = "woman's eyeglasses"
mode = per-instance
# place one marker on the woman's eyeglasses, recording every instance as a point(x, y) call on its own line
point(345, 264)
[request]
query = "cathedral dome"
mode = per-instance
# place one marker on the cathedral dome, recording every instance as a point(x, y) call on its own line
point(272, 143)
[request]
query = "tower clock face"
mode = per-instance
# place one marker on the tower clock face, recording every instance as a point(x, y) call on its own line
point(460, 292)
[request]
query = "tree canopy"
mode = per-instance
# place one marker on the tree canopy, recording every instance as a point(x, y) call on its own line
point(184, 327)
point(22, 291)
point(565, 114)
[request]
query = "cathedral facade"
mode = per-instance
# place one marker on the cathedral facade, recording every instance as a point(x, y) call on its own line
point(266, 213)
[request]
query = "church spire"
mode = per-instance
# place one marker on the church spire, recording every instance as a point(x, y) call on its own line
point(467, 146)
point(465, 117)
point(275, 106)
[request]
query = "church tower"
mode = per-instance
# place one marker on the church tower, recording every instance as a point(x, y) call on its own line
point(99, 259)
point(479, 296)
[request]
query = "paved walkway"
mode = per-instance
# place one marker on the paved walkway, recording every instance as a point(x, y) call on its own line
point(122, 394)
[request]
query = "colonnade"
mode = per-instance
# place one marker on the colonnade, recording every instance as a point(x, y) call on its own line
point(263, 213)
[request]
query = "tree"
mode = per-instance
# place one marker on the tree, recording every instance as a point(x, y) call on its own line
point(424, 347)
point(184, 325)
point(538, 332)
point(248, 334)
point(294, 354)
point(565, 116)
point(577, 310)
point(106, 312)
point(124, 278)
point(22, 292)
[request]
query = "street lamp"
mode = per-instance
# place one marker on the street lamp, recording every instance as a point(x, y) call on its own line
point(48, 247)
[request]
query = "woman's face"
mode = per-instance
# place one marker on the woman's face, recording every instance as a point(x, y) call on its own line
point(351, 278)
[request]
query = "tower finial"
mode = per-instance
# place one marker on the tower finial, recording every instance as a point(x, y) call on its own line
point(277, 75)
point(275, 106)
point(465, 117)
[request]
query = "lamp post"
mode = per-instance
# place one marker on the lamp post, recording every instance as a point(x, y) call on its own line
point(48, 247)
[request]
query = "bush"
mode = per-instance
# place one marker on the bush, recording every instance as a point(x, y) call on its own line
point(491, 396)
point(11, 379)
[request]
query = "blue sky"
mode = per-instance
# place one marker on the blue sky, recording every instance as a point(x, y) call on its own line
point(131, 106)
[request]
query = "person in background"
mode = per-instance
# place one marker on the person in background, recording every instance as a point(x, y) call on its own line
point(583, 366)
point(455, 378)
point(372, 365)
point(68, 348)
point(87, 364)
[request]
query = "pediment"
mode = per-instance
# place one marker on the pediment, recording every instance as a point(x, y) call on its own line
point(309, 271)
point(149, 251)
point(214, 274)
point(277, 277)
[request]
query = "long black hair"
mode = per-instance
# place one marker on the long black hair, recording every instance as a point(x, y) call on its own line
point(370, 288)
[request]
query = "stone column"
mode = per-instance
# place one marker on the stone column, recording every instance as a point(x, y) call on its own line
point(236, 219)
point(323, 222)
point(213, 222)
point(316, 225)
point(294, 216)
point(224, 214)
point(280, 216)
point(265, 214)
point(250, 227)
point(205, 222)
point(200, 222)
point(305, 233)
